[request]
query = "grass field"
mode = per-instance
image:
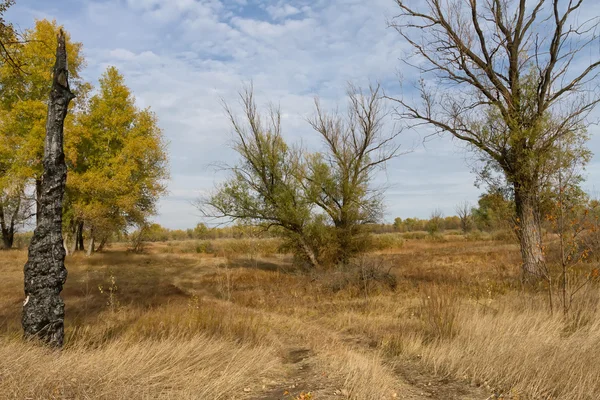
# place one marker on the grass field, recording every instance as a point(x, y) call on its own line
point(182, 323)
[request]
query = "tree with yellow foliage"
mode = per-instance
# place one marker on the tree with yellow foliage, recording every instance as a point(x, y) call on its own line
point(117, 162)
point(23, 108)
point(115, 152)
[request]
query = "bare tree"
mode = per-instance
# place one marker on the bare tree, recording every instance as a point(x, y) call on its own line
point(463, 210)
point(515, 78)
point(341, 177)
point(45, 272)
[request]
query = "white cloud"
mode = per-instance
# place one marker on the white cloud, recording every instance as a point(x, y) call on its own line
point(282, 10)
point(180, 57)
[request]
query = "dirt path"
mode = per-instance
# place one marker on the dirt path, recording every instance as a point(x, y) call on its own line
point(307, 371)
point(301, 377)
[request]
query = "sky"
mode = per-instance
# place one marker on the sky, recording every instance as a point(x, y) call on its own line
point(182, 57)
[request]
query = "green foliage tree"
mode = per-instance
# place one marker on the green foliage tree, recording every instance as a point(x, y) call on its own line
point(265, 187)
point(320, 200)
point(341, 177)
point(436, 222)
point(494, 211)
point(200, 231)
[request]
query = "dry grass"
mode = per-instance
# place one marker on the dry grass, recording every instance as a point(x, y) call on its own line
point(186, 324)
point(196, 368)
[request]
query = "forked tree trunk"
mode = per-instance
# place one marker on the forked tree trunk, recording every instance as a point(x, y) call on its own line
point(529, 231)
point(45, 272)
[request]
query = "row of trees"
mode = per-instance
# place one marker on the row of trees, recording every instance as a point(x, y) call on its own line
point(115, 152)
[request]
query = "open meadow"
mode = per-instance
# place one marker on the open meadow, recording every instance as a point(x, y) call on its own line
point(233, 319)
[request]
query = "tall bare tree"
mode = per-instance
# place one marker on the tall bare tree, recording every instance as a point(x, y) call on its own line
point(45, 272)
point(342, 176)
point(512, 78)
point(463, 211)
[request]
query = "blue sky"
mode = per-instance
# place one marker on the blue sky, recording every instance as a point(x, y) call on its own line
point(180, 57)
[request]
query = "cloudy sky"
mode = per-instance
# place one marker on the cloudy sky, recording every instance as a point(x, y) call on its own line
point(180, 57)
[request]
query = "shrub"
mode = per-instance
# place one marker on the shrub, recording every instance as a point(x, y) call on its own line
point(386, 241)
point(363, 277)
point(504, 235)
point(414, 235)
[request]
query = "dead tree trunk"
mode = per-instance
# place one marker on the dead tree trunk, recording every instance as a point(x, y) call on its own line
point(45, 272)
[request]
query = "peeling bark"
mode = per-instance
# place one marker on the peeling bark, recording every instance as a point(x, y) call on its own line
point(45, 272)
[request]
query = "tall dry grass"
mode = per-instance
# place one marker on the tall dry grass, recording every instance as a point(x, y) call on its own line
point(187, 324)
point(516, 347)
point(195, 368)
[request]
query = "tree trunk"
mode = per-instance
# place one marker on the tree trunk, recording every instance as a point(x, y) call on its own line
point(102, 244)
point(79, 237)
point(91, 246)
point(529, 231)
point(6, 236)
point(7, 227)
point(308, 253)
point(45, 272)
point(344, 239)
point(74, 245)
